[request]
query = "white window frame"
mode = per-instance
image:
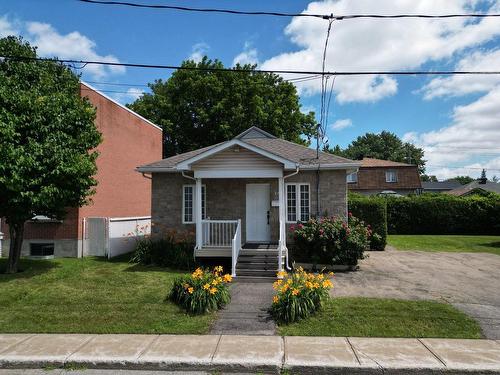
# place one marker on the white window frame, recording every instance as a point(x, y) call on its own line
point(298, 213)
point(388, 173)
point(354, 180)
point(204, 200)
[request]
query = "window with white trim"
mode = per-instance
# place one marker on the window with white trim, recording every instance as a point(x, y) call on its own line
point(391, 176)
point(352, 178)
point(189, 203)
point(298, 204)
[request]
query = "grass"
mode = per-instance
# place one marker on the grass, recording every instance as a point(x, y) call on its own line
point(92, 295)
point(369, 317)
point(447, 243)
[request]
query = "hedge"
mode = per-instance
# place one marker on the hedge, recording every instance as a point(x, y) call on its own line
point(372, 211)
point(443, 214)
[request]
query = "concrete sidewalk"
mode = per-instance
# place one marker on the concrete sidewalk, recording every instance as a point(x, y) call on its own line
point(268, 354)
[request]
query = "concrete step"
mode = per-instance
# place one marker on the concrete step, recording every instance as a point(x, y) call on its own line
point(257, 266)
point(254, 279)
point(257, 260)
point(256, 273)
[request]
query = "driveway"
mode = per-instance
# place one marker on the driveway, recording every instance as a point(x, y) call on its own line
point(469, 281)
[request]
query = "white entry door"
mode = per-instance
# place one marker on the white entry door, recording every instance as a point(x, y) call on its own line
point(257, 213)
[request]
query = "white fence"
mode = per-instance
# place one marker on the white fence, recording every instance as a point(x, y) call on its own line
point(218, 233)
point(115, 236)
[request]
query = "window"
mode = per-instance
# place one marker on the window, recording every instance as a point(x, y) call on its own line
point(297, 202)
point(189, 203)
point(391, 176)
point(41, 249)
point(352, 178)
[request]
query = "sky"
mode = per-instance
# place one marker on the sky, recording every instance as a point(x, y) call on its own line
point(456, 119)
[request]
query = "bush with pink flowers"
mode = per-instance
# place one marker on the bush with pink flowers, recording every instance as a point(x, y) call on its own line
point(331, 240)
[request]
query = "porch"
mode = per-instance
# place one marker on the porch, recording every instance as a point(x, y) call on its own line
point(242, 219)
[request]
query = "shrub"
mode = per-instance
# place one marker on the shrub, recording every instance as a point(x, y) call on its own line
point(330, 240)
point(372, 211)
point(173, 250)
point(202, 291)
point(298, 295)
point(443, 214)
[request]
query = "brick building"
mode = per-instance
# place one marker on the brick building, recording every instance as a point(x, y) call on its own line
point(376, 175)
point(129, 140)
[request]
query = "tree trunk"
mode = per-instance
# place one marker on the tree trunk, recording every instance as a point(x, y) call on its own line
point(16, 233)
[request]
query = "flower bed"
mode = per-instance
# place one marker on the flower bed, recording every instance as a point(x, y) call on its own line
point(202, 291)
point(299, 294)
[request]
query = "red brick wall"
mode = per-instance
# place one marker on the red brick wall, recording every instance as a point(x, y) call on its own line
point(128, 141)
point(373, 178)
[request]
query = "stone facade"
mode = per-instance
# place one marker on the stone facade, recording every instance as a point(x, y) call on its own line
point(226, 199)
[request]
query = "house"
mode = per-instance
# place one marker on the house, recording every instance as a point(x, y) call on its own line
point(439, 186)
point(476, 187)
point(122, 195)
point(376, 176)
point(239, 197)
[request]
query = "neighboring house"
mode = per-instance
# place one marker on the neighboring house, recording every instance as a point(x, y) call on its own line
point(376, 176)
point(475, 187)
point(245, 193)
point(123, 194)
point(439, 186)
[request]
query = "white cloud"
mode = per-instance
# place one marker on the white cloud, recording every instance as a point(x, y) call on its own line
point(341, 124)
point(131, 95)
point(7, 28)
point(466, 84)
point(51, 43)
point(367, 44)
point(198, 51)
point(249, 55)
point(473, 134)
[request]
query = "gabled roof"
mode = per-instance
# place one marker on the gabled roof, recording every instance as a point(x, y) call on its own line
point(290, 154)
point(441, 185)
point(380, 163)
point(468, 188)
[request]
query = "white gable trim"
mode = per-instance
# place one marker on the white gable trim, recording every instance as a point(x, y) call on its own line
point(186, 164)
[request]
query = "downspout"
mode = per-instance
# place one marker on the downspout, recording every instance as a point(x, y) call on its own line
point(284, 195)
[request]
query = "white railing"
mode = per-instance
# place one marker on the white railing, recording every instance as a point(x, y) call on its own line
point(236, 246)
point(218, 233)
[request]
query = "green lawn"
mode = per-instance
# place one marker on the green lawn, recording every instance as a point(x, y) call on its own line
point(369, 317)
point(91, 295)
point(450, 243)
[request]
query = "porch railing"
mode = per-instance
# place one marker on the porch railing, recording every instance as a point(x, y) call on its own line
point(236, 246)
point(218, 233)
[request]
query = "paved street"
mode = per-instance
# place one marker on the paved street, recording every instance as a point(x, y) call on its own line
point(469, 281)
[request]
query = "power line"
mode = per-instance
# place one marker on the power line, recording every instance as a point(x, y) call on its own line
point(235, 70)
point(283, 14)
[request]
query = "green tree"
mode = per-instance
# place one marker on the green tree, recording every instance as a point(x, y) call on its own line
point(47, 138)
point(385, 145)
point(464, 180)
point(200, 108)
point(428, 178)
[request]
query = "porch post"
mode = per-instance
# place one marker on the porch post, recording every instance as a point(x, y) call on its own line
point(197, 213)
point(282, 241)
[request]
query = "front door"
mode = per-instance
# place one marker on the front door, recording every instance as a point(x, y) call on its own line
point(257, 213)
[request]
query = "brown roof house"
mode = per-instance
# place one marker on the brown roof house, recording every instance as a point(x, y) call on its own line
point(122, 202)
point(377, 176)
point(240, 196)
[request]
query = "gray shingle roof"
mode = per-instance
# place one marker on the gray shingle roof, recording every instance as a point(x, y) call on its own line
point(302, 155)
point(465, 189)
point(440, 185)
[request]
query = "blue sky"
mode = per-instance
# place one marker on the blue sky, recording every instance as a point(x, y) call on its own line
point(455, 119)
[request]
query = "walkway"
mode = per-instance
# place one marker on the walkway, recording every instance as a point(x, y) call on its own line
point(247, 313)
point(268, 354)
point(469, 281)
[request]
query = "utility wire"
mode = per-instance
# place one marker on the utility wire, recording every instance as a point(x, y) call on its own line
point(282, 14)
point(234, 70)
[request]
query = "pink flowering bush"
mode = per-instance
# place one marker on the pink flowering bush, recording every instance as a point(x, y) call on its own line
point(331, 240)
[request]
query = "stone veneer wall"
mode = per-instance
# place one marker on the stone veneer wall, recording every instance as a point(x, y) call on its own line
point(226, 199)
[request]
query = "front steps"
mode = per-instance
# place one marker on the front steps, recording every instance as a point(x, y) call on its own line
point(257, 263)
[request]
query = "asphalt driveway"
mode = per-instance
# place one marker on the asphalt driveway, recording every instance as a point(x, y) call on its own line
point(469, 281)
